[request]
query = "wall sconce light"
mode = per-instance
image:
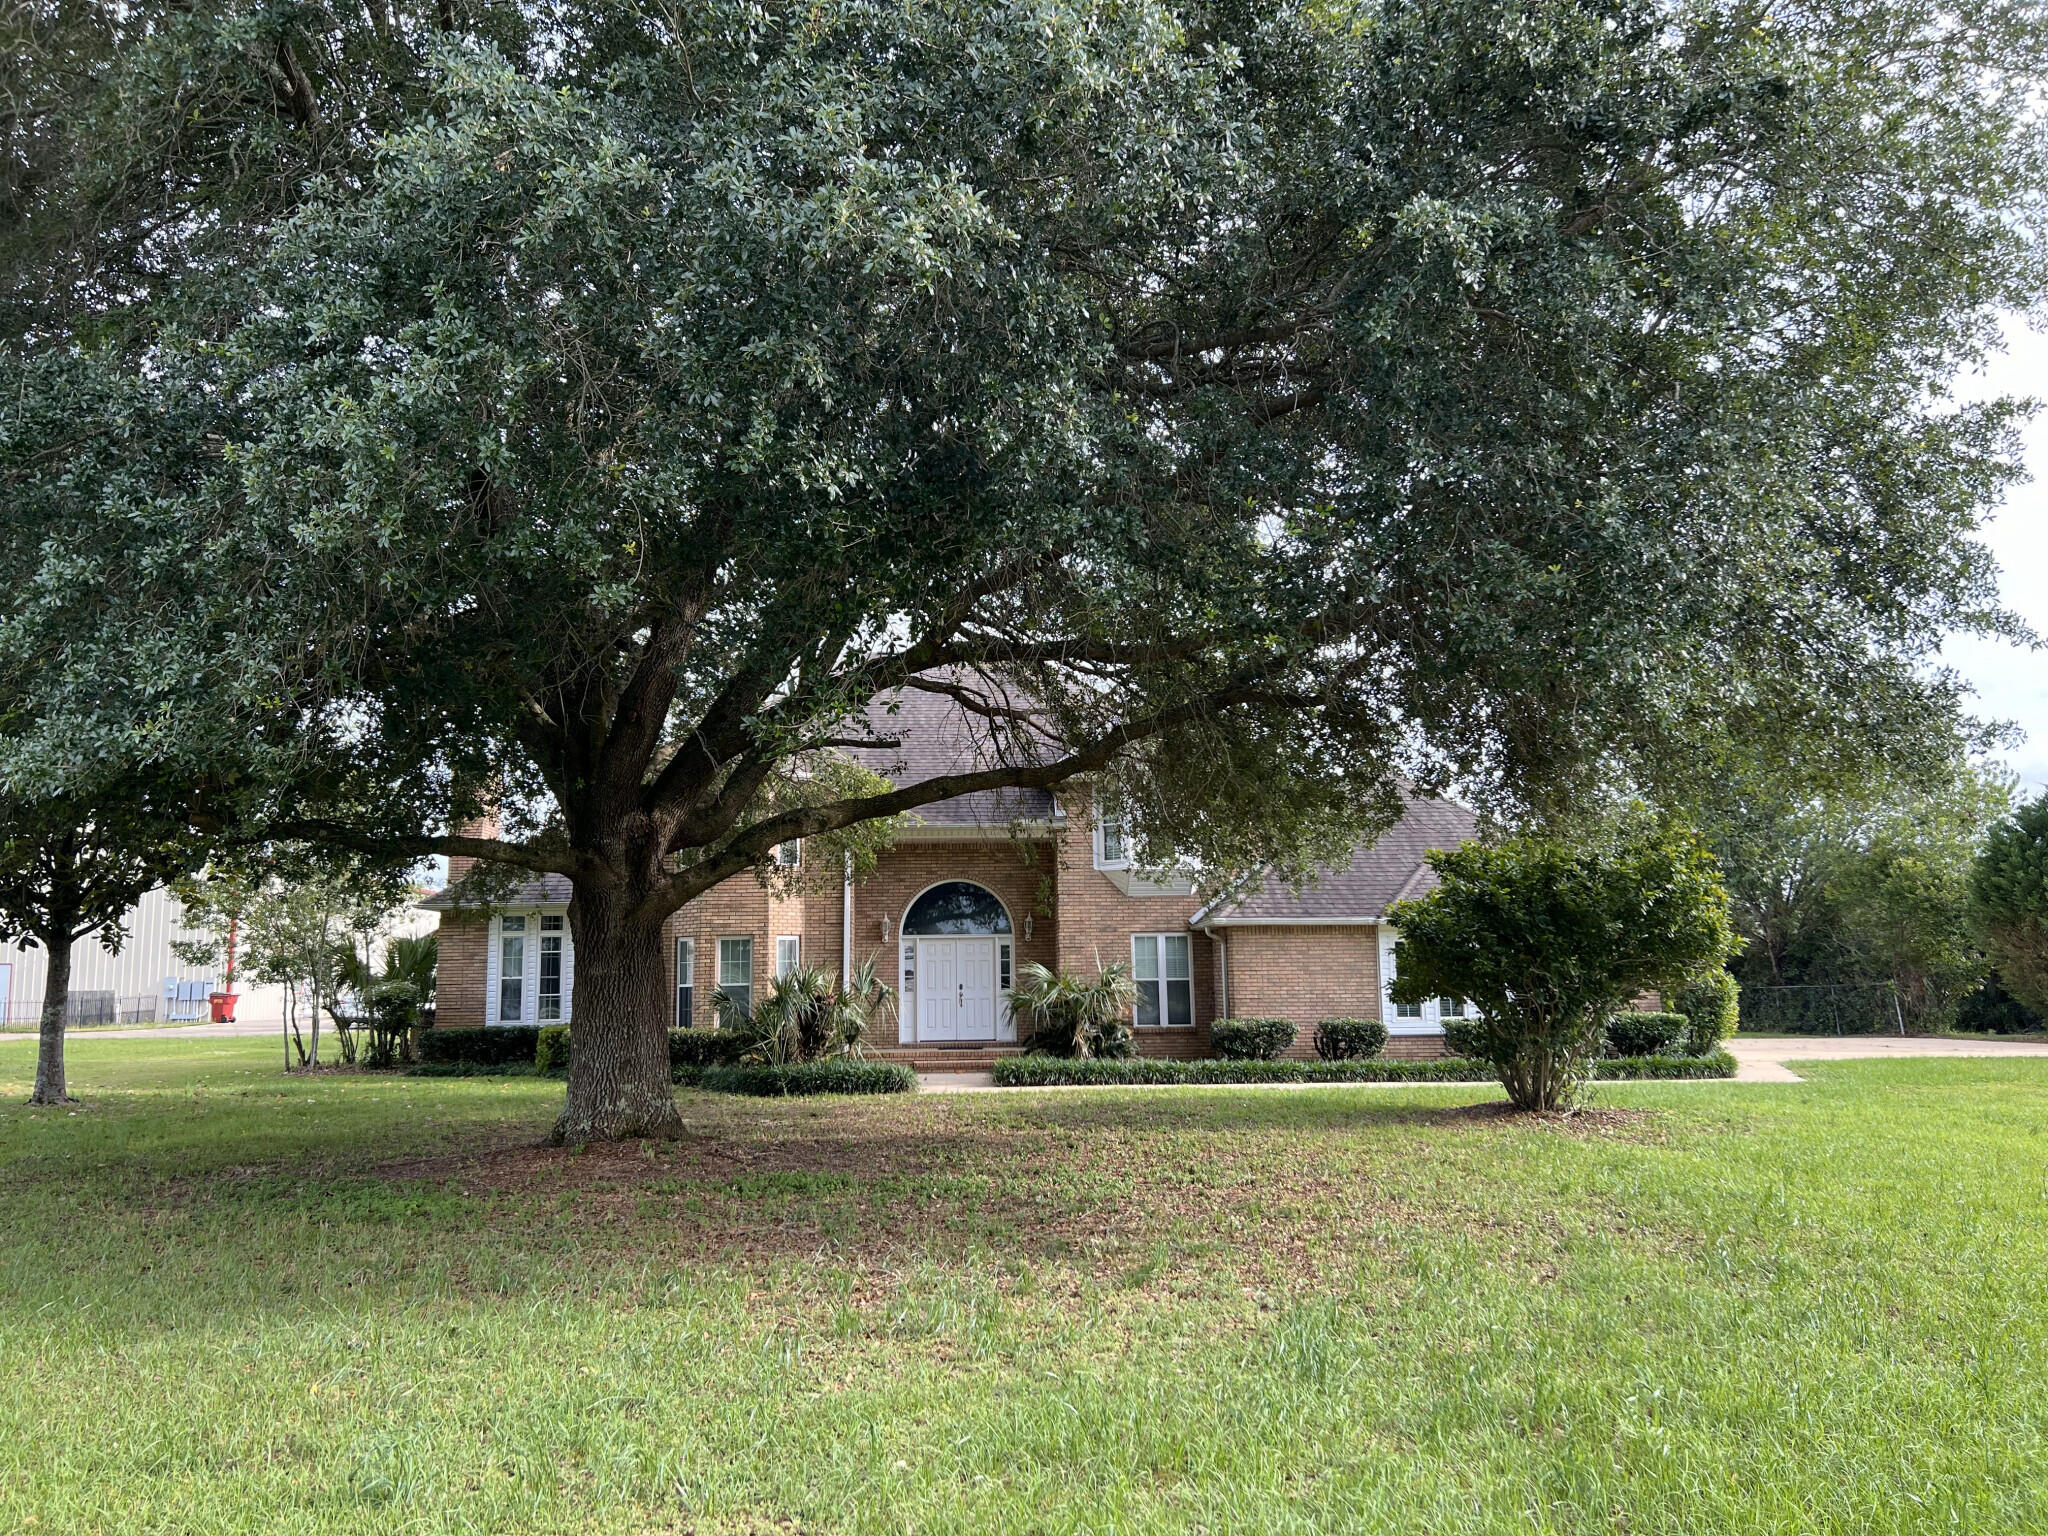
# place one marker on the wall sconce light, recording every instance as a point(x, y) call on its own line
point(885, 930)
point(1027, 925)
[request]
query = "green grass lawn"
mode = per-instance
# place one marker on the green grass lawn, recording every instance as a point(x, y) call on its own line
point(235, 1301)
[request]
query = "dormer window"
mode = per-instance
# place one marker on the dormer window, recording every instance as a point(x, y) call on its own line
point(1112, 844)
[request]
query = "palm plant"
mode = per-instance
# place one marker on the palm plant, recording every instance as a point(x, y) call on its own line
point(1070, 1015)
point(805, 1016)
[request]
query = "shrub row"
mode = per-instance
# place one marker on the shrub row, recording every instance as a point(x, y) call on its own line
point(546, 1048)
point(497, 1047)
point(1052, 1071)
point(471, 1069)
point(1250, 1039)
point(1637, 1068)
point(834, 1075)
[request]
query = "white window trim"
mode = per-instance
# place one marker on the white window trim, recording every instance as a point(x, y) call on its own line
point(529, 973)
point(789, 855)
point(792, 945)
point(718, 960)
point(1429, 1021)
point(1102, 859)
point(686, 979)
point(1165, 1013)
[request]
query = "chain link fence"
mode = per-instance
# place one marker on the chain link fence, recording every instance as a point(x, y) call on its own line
point(1823, 1008)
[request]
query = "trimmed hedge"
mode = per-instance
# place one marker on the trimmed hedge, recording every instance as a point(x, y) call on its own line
point(499, 1046)
point(1712, 1008)
point(1623, 1069)
point(1046, 1072)
point(831, 1076)
point(1645, 1034)
point(471, 1069)
point(551, 1051)
point(1350, 1039)
point(1053, 1072)
point(700, 1048)
point(1465, 1037)
point(1250, 1039)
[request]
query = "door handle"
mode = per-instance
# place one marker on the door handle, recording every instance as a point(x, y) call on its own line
point(961, 1000)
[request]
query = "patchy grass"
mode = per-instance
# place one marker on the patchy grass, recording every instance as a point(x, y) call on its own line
point(242, 1302)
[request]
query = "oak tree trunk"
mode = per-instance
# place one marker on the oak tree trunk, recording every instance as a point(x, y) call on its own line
point(618, 1068)
point(50, 1086)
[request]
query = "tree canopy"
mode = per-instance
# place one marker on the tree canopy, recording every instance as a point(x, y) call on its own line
point(2009, 901)
point(1245, 405)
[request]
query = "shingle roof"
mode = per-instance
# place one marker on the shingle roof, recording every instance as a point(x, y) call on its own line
point(539, 891)
point(938, 737)
point(1378, 874)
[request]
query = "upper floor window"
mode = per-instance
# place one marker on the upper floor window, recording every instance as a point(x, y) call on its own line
point(1112, 843)
point(790, 854)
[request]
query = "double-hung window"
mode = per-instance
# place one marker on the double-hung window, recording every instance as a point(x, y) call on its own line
point(1112, 843)
point(548, 994)
point(686, 982)
point(736, 977)
point(511, 970)
point(1453, 1008)
point(788, 947)
point(1166, 989)
point(790, 854)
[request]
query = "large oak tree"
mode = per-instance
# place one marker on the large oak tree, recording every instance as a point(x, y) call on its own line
point(1243, 405)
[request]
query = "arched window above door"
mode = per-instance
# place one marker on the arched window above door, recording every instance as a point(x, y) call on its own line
point(953, 908)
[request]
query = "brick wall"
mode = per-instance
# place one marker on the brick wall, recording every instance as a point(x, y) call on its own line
point(739, 908)
point(1097, 921)
point(1310, 973)
point(459, 972)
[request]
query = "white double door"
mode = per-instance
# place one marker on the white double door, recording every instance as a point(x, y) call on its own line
point(956, 989)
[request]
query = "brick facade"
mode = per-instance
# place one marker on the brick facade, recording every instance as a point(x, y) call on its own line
point(1064, 913)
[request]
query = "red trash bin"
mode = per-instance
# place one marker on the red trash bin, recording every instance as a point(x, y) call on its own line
point(223, 1006)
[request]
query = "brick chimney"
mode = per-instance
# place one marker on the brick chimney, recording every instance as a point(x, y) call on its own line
point(460, 864)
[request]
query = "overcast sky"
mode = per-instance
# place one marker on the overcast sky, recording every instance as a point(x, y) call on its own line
point(2012, 682)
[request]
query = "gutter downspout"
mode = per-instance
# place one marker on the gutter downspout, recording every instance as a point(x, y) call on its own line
point(1222, 970)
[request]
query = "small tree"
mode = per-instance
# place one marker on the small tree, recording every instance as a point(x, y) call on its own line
point(2009, 901)
point(1549, 939)
point(299, 919)
point(70, 870)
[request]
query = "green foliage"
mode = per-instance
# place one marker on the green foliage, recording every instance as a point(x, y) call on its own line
point(1549, 939)
point(1992, 1010)
point(1465, 1037)
point(834, 1075)
point(1860, 889)
point(1350, 1039)
point(2009, 901)
point(551, 1050)
point(1060, 1013)
point(700, 1048)
point(1711, 1004)
point(1635, 1033)
point(1050, 1072)
point(499, 1045)
point(1250, 1039)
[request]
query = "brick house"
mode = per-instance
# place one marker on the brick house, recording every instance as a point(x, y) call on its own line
point(970, 893)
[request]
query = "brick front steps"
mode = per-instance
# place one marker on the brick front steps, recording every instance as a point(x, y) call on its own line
point(946, 1058)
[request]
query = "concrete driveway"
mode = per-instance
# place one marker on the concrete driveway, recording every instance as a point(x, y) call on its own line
point(1773, 1058)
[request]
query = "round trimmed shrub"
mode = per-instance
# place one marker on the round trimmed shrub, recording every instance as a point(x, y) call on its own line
point(1644, 1034)
point(1712, 1008)
point(1250, 1039)
point(1350, 1039)
point(551, 1051)
point(1465, 1038)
